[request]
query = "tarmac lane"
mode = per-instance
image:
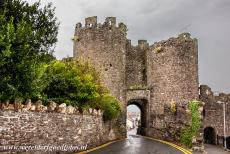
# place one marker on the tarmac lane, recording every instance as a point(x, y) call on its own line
point(136, 144)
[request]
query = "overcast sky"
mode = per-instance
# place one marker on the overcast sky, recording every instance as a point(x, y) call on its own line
point(155, 20)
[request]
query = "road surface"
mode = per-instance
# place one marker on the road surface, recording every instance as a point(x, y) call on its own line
point(214, 149)
point(137, 145)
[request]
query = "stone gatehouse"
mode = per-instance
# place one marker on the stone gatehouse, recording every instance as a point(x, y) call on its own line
point(153, 77)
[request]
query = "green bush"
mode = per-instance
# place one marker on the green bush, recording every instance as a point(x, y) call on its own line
point(67, 83)
point(111, 107)
point(193, 128)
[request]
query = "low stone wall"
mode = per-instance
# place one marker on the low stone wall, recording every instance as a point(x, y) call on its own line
point(51, 129)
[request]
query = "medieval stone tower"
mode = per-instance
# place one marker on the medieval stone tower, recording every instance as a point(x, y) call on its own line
point(154, 77)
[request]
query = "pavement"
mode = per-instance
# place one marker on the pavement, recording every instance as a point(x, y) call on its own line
point(214, 149)
point(135, 144)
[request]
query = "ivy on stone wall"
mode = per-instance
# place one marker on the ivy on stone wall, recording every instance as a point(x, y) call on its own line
point(158, 49)
point(192, 129)
point(173, 106)
point(138, 87)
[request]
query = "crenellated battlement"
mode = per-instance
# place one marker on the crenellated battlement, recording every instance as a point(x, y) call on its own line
point(110, 22)
point(143, 44)
point(91, 22)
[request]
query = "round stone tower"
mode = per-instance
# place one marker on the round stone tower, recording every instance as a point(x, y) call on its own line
point(172, 76)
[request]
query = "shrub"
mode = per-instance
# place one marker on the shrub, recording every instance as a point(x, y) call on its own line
point(65, 82)
point(111, 107)
point(193, 128)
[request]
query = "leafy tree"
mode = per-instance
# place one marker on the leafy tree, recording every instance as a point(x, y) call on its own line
point(41, 20)
point(27, 34)
point(64, 82)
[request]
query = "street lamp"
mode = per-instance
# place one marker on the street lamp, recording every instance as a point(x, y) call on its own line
point(225, 142)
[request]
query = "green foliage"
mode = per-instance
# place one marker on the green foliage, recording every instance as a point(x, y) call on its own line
point(65, 82)
point(42, 21)
point(193, 128)
point(111, 107)
point(88, 68)
point(79, 85)
point(138, 87)
point(27, 34)
point(173, 107)
point(158, 49)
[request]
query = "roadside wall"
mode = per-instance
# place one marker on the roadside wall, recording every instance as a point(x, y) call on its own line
point(60, 129)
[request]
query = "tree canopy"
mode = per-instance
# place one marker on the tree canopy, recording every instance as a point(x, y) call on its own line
point(28, 34)
point(42, 22)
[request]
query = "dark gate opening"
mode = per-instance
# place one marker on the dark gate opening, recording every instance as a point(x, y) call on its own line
point(209, 135)
point(228, 142)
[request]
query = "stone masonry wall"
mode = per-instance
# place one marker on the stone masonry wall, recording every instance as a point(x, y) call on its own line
point(172, 75)
point(213, 111)
point(136, 64)
point(173, 71)
point(104, 46)
point(62, 128)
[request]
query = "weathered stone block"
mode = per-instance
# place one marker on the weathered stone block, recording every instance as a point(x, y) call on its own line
point(70, 109)
point(17, 105)
point(52, 106)
point(33, 108)
point(28, 104)
point(38, 105)
point(61, 108)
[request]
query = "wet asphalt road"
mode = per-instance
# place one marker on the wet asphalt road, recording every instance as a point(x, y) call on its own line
point(214, 149)
point(137, 145)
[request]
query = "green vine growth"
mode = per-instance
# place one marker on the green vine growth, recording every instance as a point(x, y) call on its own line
point(158, 49)
point(192, 129)
point(173, 106)
point(138, 87)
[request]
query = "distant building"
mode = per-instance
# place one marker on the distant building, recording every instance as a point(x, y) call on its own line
point(129, 124)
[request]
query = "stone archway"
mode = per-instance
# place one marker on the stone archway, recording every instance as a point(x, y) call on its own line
point(141, 104)
point(209, 135)
point(141, 99)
